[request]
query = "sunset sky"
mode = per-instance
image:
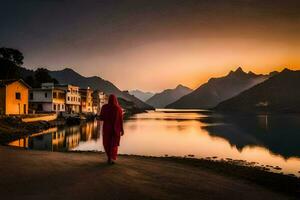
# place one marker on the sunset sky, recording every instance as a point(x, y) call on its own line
point(154, 44)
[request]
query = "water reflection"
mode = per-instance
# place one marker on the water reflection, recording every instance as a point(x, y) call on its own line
point(60, 139)
point(269, 140)
point(280, 134)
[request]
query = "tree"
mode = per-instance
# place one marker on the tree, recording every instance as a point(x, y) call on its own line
point(41, 75)
point(12, 55)
point(10, 61)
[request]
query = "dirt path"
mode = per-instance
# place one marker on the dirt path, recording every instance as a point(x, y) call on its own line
point(44, 175)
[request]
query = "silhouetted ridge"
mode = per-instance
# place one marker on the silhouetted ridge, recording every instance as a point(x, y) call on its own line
point(280, 93)
point(217, 90)
point(69, 76)
point(144, 96)
point(160, 100)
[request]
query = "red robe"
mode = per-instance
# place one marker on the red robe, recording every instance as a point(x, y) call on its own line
point(112, 117)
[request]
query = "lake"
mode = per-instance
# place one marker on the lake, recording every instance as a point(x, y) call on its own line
point(266, 139)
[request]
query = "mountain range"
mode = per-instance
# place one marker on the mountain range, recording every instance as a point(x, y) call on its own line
point(144, 96)
point(160, 100)
point(236, 92)
point(69, 76)
point(220, 89)
point(279, 93)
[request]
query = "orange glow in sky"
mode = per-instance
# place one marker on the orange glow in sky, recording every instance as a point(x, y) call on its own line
point(154, 45)
point(155, 66)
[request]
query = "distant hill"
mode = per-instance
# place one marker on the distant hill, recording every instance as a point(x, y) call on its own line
point(280, 93)
point(24, 72)
point(144, 96)
point(217, 90)
point(160, 100)
point(69, 76)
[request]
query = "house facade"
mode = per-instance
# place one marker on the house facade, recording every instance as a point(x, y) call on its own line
point(86, 100)
point(99, 99)
point(48, 98)
point(73, 98)
point(13, 97)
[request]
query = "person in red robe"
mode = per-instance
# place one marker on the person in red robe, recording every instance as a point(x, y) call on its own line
point(112, 117)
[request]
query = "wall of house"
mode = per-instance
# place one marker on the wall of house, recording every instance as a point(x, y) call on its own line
point(15, 106)
point(86, 100)
point(47, 107)
point(41, 96)
point(73, 96)
point(52, 100)
point(59, 101)
point(89, 101)
point(99, 99)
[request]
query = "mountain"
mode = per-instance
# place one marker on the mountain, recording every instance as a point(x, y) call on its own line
point(69, 76)
point(144, 96)
point(24, 72)
point(217, 90)
point(160, 100)
point(279, 93)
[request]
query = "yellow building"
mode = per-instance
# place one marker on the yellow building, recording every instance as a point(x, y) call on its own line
point(86, 100)
point(13, 97)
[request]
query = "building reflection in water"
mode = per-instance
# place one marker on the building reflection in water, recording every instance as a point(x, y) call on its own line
point(265, 139)
point(60, 139)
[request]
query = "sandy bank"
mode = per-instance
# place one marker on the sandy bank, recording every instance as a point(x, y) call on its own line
point(46, 175)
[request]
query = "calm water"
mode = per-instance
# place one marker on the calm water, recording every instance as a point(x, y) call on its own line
point(268, 140)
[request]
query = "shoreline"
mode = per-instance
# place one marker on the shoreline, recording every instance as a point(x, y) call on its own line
point(23, 164)
point(241, 169)
point(12, 127)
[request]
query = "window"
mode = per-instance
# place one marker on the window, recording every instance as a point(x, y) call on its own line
point(18, 95)
point(62, 106)
point(54, 95)
point(54, 106)
point(46, 94)
point(31, 96)
point(68, 98)
point(58, 107)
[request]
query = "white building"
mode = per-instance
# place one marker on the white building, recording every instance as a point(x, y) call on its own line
point(73, 99)
point(99, 99)
point(48, 98)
